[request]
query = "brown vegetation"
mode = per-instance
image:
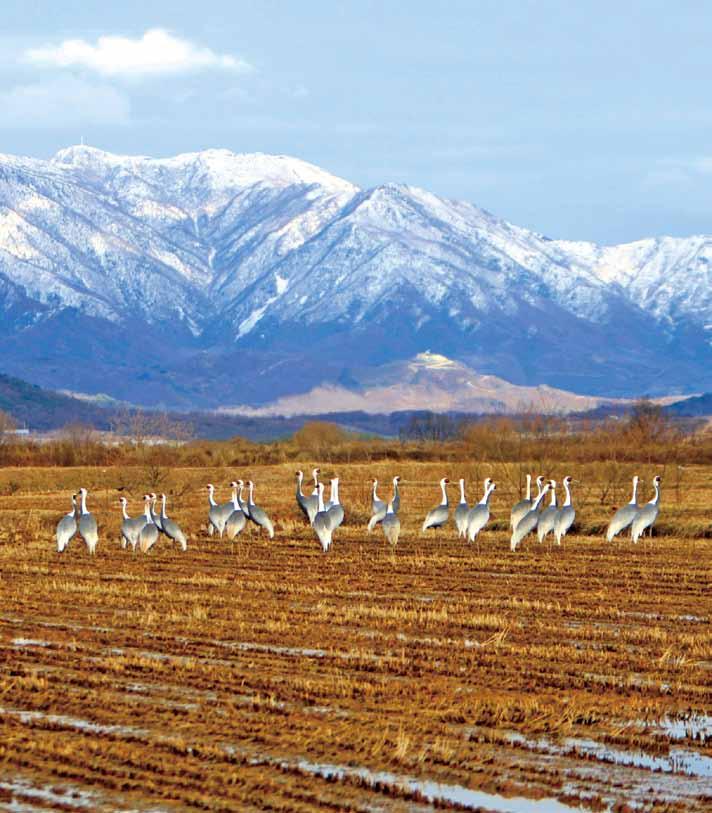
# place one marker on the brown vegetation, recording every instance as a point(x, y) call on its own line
point(222, 678)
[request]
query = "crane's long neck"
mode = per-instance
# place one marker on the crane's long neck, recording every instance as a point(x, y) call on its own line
point(488, 493)
point(163, 507)
point(444, 490)
point(462, 491)
point(656, 498)
point(234, 498)
point(553, 498)
point(148, 511)
point(300, 479)
point(539, 498)
point(375, 486)
point(529, 487)
point(335, 492)
point(211, 497)
point(567, 501)
point(395, 487)
point(84, 503)
point(123, 510)
point(250, 493)
point(321, 497)
point(634, 498)
point(315, 475)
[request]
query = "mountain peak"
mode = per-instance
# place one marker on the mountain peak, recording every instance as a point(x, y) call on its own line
point(218, 166)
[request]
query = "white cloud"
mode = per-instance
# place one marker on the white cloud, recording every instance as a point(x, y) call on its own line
point(157, 52)
point(674, 171)
point(61, 102)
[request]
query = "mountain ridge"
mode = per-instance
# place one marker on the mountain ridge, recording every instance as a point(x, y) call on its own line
point(172, 277)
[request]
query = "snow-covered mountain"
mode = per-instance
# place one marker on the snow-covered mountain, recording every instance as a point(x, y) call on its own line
point(215, 278)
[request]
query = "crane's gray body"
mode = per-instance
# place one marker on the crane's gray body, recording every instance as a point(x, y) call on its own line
point(391, 528)
point(322, 528)
point(525, 526)
point(436, 517)
point(519, 511)
point(235, 523)
point(477, 517)
point(173, 531)
point(564, 520)
point(66, 528)
point(547, 519)
point(461, 513)
point(259, 517)
point(148, 536)
point(89, 531)
point(131, 530)
point(644, 519)
point(622, 519)
point(335, 515)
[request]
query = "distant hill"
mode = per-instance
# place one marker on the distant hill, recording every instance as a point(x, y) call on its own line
point(695, 407)
point(41, 409)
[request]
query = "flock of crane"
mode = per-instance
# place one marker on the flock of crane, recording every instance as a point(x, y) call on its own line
point(326, 516)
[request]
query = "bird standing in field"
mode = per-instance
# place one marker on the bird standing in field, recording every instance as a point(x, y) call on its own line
point(522, 507)
point(566, 515)
point(149, 533)
point(67, 526)
point(529, 521)
point(322, 525)
point(547, 518)
point(461, 512)
point(380, 513)
point(335, 511)
point(155, 515)
point(88, 529)
point(648, 514)
point(171, 528)
point(391, 525)
point(625, 515)
point(217, 514)
point(237, 520)
point(130, 526)
point(258, 515)
point(438, 516)
point(479, 514)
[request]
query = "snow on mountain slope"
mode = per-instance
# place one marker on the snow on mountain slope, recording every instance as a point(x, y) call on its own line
point(273, 257)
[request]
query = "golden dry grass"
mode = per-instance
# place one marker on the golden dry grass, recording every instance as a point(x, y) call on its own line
point(223, 678)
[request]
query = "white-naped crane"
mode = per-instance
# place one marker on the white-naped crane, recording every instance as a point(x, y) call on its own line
point(335, 510)
point(648, 514)
point(528, 522)
point(217, 514)
point(547, 518)
point(478, 516)
point(306, 505)
point(624, 516)
point(322, 525)
point(379, 515)
point(171, 528)
point(237, 520)
point(390, 525)
point(521, 508)
point(566, 515)
point(438, 516)
point(155, 515)
point(88, 529)
point(149, 533)
point(461, 512)
point(130, 526)
point(258, 515)
point(67, 526)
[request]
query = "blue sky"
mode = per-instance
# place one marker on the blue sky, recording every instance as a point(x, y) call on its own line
point(588, 120)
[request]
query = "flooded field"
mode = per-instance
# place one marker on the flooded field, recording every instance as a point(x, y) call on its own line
point(266, 675)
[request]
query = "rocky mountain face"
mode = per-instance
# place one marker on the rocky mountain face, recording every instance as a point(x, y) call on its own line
point(215, 278)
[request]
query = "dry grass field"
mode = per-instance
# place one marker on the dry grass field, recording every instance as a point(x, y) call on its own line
point(267, 675)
